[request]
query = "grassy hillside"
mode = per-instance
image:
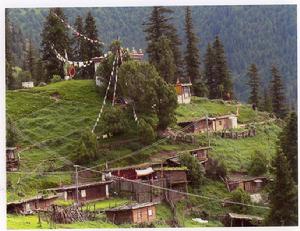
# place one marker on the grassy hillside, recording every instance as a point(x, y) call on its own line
point(50, 120)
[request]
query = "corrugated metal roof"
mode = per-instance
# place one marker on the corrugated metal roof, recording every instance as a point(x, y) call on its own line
point(144, 172)
point(244, 216)
point(84, 185)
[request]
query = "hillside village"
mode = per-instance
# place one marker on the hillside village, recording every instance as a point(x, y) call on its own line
point(137, 145)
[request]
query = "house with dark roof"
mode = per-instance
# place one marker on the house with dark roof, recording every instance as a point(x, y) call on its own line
point(91, 191)
point(132, 214)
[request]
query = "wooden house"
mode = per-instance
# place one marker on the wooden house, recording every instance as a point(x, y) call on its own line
point(132, 214)
point(250, 184)
point(92, 191)
point(201, 154)
point(12, 159)
point(176, 179)
point(240, 220)
point(183, 91)
point(210, 124)
point(30, 205)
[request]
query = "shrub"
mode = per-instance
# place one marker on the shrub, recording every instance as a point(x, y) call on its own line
point(216, 169)
point(146, 132)
point(55, 78)
point(258, 165)
point(196, 170)
point(239, 195)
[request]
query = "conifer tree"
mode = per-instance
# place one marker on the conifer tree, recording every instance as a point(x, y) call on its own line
point(289, 144)
point(192, 57)
point(91, 50)
point(278, 96)
point(221, 71)
point(209, 72)
point(39, 71)
point(30, 60)
point(10, 82)
point(166, 66)
point(158, 25)
point(54, 33)
point(267, 101)
point(283, 195)
point(78, 41)
point(254, 82)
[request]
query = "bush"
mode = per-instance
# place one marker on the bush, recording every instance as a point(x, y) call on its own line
point(239, 195)
point(196, 170)
point(216, 169)
point(258, 165)
point(146, 132)
point(55, 79)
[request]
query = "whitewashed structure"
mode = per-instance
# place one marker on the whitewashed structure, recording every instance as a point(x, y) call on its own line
point(183, 91)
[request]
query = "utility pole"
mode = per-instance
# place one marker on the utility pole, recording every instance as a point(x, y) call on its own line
point(207, 133)
point(76, 181)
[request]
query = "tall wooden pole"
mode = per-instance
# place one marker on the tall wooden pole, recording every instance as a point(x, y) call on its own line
point(76, 181)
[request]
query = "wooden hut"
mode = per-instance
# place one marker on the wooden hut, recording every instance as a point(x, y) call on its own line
point(248, 183)
point(176, 179)
point(240, 220)
point(30, 205)
point(183, 91)
point(132, 214)
point(12, 159)
point(86, 191)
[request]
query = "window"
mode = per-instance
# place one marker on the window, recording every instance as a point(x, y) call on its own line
point(150, 212)
point(220, 122)
point(83, 193)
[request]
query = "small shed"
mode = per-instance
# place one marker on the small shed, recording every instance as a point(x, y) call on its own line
point(28, 84)
point(200, 153)
point(12, 159)
point(202, 124)
point(92, 191)
point(30, 205)
point(225, 122)
point(248, 183)
point(183, 91)
point(240, 220)
point(132, 214)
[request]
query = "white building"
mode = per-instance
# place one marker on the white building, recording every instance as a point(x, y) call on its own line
point(183, 91)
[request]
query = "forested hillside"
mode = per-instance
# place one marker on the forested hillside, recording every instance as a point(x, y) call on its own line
point(263, 35)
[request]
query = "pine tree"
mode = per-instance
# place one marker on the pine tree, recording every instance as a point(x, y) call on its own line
point(289, 144)
point(10, 82)
point(209, 72)
point(278, 97)
point(221, 71)
point(54, 33)
point(78, 41)
point(91, 50)
point(254, 82)
point(39, 71)
point(267, 101)
point(166, 66)
point(158, 25)
point(30, 60)
point(192, 57)
point(283, 195)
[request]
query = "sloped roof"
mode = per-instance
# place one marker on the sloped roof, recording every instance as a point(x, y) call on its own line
point(144, 172)
point(84, 185)
point(132, 206)
point(244, 216)
point(38, 197)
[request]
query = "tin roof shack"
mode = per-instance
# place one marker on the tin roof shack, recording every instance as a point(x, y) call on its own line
point(133, 214)
point(12, 159)
point(86, 191)
point(240, 220)
point(225, 122)
point(176, 179)
point(198, 125)
point(30, 205)
point(183, 91)
point(248, 183)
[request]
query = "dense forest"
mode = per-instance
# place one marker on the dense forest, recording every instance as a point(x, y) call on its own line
point(263, 35)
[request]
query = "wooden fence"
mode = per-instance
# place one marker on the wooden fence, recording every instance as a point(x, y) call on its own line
point(237, 134)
